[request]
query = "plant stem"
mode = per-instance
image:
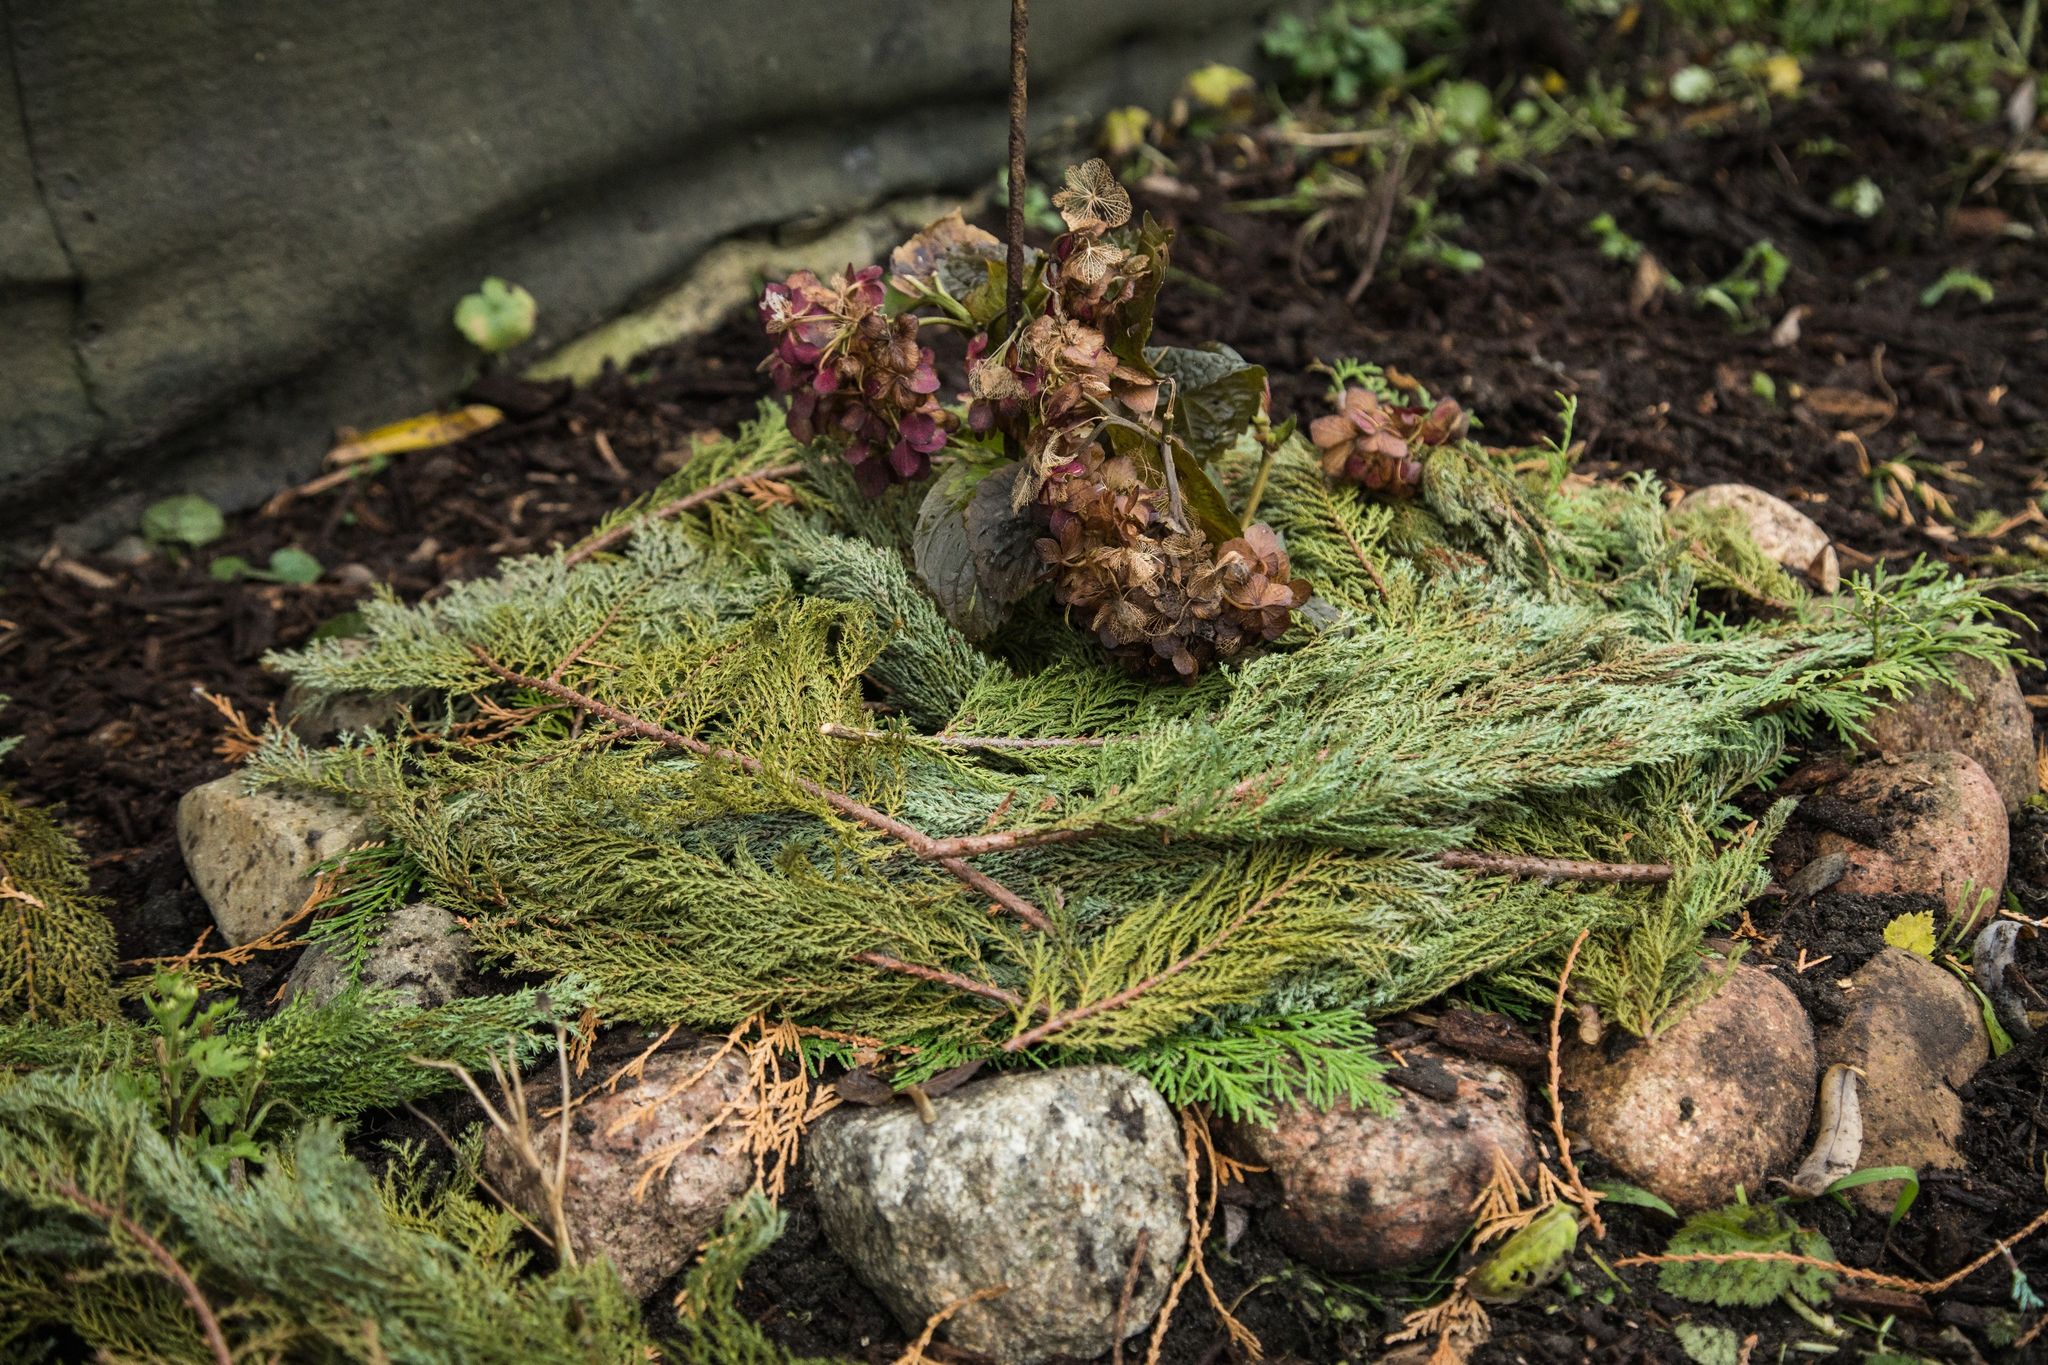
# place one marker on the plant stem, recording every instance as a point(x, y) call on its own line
point(603, 541)
point(837, 731)
point(1013, 283)
point(209, 1324)
point(916, 840)
point(943, 978)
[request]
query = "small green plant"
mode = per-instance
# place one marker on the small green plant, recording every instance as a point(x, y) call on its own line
point(1861, 197)
point(1957, 281)
point(184, 522)
point(1428, 240)
point(1339, 52)
point(208, 1083)
point(1038, 209)
point(288, 565)
point(1755, 280)
point(497, 317)
point(1748, 1228)
point(1614, 244)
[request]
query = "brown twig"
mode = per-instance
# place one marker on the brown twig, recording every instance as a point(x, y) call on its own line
point(1390, 199)
point(1069, 1018)
point(837, 731)
point(1580, 1193)
point(1930, 1287)
point(1554, 869)
point(916, 840)
point(603, 541)
point(1123, 1301)
point(943, 978)
point(1013, 232)
point(914, 1353)
point(209, 1323)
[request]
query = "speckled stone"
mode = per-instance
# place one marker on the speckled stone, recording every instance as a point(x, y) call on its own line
point(1991, 724)
point(1917, 1035)
point(420, 955)
point(252, 854)
point(1038, 1181)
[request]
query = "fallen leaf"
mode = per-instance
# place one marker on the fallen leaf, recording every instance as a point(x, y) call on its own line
point(1838, 1136)
point(424, 432)
point(1846, 407)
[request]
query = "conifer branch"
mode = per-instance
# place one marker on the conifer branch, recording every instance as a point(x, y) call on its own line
point(916, 840)
point(1069, 1018)
point(209, 1323)
point(604, 540)
point(943, 978)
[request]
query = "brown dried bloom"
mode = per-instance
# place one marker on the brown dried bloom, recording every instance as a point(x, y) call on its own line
point(1369, 443)
point(1093, 199)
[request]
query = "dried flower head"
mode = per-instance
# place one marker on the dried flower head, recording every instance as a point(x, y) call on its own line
point(854, 373)
point(1380, 447)
point(1093, 199)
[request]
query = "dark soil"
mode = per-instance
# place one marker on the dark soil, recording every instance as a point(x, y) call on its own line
point(102, 658)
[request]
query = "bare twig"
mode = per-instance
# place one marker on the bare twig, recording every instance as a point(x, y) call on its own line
point(483, 1184)
point(209, 1323)
point(1930, 1287)
point(1013, 282)
point(1580, 1193)
point(838, 731)
point(1376, 245)
point(1123, 1302)
point(916, 840)
point(515, 1125)
point(1555, 869)
point(603, 541)
point(943, 978)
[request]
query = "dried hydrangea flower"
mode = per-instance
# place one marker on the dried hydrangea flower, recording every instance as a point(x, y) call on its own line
point(1094, 199)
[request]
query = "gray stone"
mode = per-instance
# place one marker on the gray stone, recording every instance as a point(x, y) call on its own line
point(1917, 1035)
point(252, 854)
point(421, 956)
point(1038, 1181)
point(1362, 1192)
point(650, 1173)
point(224, 229)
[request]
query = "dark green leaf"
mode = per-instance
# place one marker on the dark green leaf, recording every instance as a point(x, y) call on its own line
point(1217, 394)
point(1131, 327)
point(294, 565)
point(971, 550)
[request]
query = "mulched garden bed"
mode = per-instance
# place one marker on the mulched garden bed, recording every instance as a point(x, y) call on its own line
point(102, 658)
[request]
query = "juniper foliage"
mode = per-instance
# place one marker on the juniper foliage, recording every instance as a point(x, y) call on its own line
point(309, 1258)
point(56, 947)
point(1517, 661)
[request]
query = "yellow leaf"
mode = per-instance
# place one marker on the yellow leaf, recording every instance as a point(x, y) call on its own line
point(1782, 74)
point(1914, 933)
point(1219, 86)
point(1123, 130)
point(417, 433)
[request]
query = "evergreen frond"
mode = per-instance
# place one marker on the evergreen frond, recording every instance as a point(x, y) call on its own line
point(56, 947)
